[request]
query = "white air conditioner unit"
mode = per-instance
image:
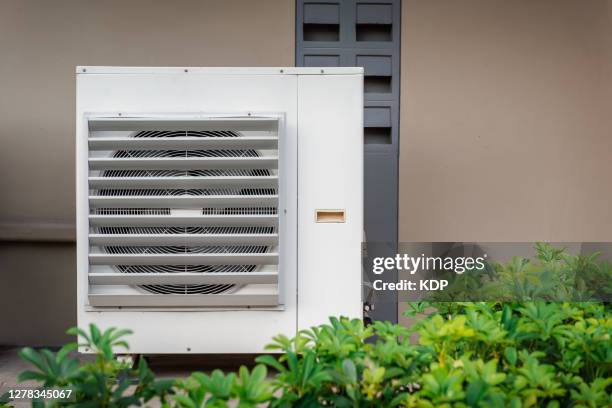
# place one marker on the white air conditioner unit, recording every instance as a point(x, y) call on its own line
point(218, 207)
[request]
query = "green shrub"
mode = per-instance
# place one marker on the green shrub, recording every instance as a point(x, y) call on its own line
point(551, 275)
point(105, 382)
point(480, 355)
point(459, 354)
point(477, 355)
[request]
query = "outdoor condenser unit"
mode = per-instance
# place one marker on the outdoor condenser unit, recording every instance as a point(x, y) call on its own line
point(218, 207)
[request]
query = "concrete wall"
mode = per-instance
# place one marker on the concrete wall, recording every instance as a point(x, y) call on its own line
point(41, 42)
point(506, 120)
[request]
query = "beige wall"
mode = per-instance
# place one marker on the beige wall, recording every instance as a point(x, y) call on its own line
point(41, 42)
point(37, 293)
point(506, 120)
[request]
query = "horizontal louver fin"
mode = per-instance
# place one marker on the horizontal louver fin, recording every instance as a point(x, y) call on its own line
point(183, 143)
point(208, 201)
point(184, 182)
point(182, 239)
point(234, 300)
point(185, 259)
point(182, 278)
point(163, 124)
point(182, 163)
point(182, 221)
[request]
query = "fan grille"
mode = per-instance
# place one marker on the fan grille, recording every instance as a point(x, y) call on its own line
point(186, 289)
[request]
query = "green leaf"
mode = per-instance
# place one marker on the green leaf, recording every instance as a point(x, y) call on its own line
point(75, 331)
point(65, 350)
point(49, 358)
point(272, 362)
point(163, 386)
point(34, 357)
point(31, 375)
point(184, 401)
point(475, 391)
point(349, 370)
point(95, 334)
point(259, 373)
point(511, 355)
point(118, 334)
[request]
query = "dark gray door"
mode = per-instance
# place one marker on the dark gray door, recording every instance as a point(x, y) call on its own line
point(364, 33)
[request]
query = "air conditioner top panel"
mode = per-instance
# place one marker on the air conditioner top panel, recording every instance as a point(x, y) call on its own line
point(222, 70)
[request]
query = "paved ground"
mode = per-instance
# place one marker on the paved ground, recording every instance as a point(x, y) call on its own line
point(166, 366)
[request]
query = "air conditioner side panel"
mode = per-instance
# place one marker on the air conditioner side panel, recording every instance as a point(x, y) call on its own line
point(330, 174)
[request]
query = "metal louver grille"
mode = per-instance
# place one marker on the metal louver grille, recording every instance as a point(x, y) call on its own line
point(186, 217)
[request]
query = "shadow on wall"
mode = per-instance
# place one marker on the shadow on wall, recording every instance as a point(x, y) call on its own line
point(37, 293)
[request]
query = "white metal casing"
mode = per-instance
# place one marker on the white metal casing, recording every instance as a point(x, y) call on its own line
point(320, 273)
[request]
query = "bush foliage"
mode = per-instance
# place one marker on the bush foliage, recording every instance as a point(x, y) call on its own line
point(552, 275)
point(460, 354)
point(466, 355)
